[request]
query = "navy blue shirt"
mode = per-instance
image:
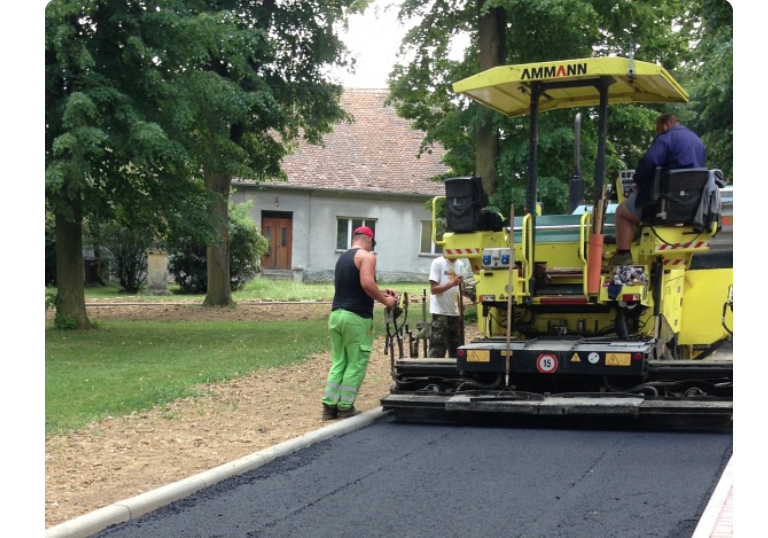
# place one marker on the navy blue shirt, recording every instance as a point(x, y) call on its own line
point(679, 147)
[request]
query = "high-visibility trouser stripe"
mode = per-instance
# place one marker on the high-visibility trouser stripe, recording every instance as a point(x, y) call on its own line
point(346, 393)
point(332, 390)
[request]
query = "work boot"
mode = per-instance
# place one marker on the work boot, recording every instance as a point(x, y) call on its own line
point(346, 413)
point(623, 258)
point(330, 412)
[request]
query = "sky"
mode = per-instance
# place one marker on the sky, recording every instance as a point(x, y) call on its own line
point(374, 38)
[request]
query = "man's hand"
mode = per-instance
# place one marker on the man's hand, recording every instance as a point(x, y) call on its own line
point(390, 301)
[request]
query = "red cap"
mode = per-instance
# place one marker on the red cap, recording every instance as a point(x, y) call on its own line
point(365, 230)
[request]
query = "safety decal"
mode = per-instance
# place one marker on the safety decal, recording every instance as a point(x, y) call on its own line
point(593, 357)
point(546, 363)
point(676, 261)
point(575, 358)
point(678, 246)
point(462, 251)
point(478, 355)
point(618, 359)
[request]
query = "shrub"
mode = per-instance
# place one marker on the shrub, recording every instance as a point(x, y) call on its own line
point(127, 249)
point(187, 256)
point(50, 298)
point(246, 246)
point(186, 264)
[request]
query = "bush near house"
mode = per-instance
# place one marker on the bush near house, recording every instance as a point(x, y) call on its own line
point(187, 256)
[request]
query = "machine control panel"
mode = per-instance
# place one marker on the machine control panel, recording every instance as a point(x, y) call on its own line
point(494, 258)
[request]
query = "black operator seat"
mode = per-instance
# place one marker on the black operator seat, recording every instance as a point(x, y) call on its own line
point(676, 196)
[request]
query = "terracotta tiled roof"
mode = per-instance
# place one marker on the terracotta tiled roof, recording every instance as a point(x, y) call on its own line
point(376, 153)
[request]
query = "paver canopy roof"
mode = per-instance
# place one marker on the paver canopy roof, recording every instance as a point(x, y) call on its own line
point(571, 83)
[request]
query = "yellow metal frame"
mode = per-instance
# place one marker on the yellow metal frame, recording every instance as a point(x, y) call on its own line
point(585, 226)
point(507, 89)
point(675, 244)
point(434, 220)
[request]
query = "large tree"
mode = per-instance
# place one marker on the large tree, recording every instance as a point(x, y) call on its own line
point(492, 51)
point(712, 84)
point(108, 154)
point(535, 30)
point(151, 105)
point(254, 78)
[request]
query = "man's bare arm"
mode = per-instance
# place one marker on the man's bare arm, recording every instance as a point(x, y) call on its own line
point(368, 281)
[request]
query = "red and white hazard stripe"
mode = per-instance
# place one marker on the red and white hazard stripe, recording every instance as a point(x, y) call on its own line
point(462, 251)
point(676, 261)
point(679, 246)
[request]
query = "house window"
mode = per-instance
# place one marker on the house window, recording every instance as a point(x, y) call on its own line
point(427, 245)
point(345, 227)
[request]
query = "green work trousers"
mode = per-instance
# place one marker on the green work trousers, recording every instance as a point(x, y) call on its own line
point(351, 345)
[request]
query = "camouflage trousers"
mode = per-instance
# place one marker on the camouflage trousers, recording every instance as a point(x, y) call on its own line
point(444, 336)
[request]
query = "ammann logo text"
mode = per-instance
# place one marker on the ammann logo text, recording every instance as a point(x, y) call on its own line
point(554, 71)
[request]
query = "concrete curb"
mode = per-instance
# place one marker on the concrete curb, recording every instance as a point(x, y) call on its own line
point(709, 519)
point(135, 507)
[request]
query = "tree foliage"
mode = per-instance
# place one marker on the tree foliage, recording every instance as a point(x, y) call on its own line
point(712, 84)
point(153, 108)
point(109, 147)
point(666, 32)
point(253, 81)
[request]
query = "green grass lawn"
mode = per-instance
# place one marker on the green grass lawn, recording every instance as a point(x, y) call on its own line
point(126, 366)
point(121, 367)
point(258, 289)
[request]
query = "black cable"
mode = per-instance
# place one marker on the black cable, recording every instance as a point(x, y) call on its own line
point(725, 308)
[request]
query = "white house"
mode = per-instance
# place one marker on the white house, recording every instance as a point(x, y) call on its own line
point(368, 173)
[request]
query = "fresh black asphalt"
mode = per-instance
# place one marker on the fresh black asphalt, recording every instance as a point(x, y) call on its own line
point(402, 480)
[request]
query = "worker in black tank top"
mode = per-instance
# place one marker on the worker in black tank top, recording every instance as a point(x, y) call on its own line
point(351, 324)
point(350, 294)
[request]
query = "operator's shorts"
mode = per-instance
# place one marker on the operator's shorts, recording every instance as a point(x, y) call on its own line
point(629, 203)
point(445, 336)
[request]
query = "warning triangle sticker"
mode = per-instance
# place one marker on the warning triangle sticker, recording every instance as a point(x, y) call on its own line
point(575, 358)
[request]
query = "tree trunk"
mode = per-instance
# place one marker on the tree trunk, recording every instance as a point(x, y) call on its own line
point(492, 35)
point(217, 256)
point(70, 274)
